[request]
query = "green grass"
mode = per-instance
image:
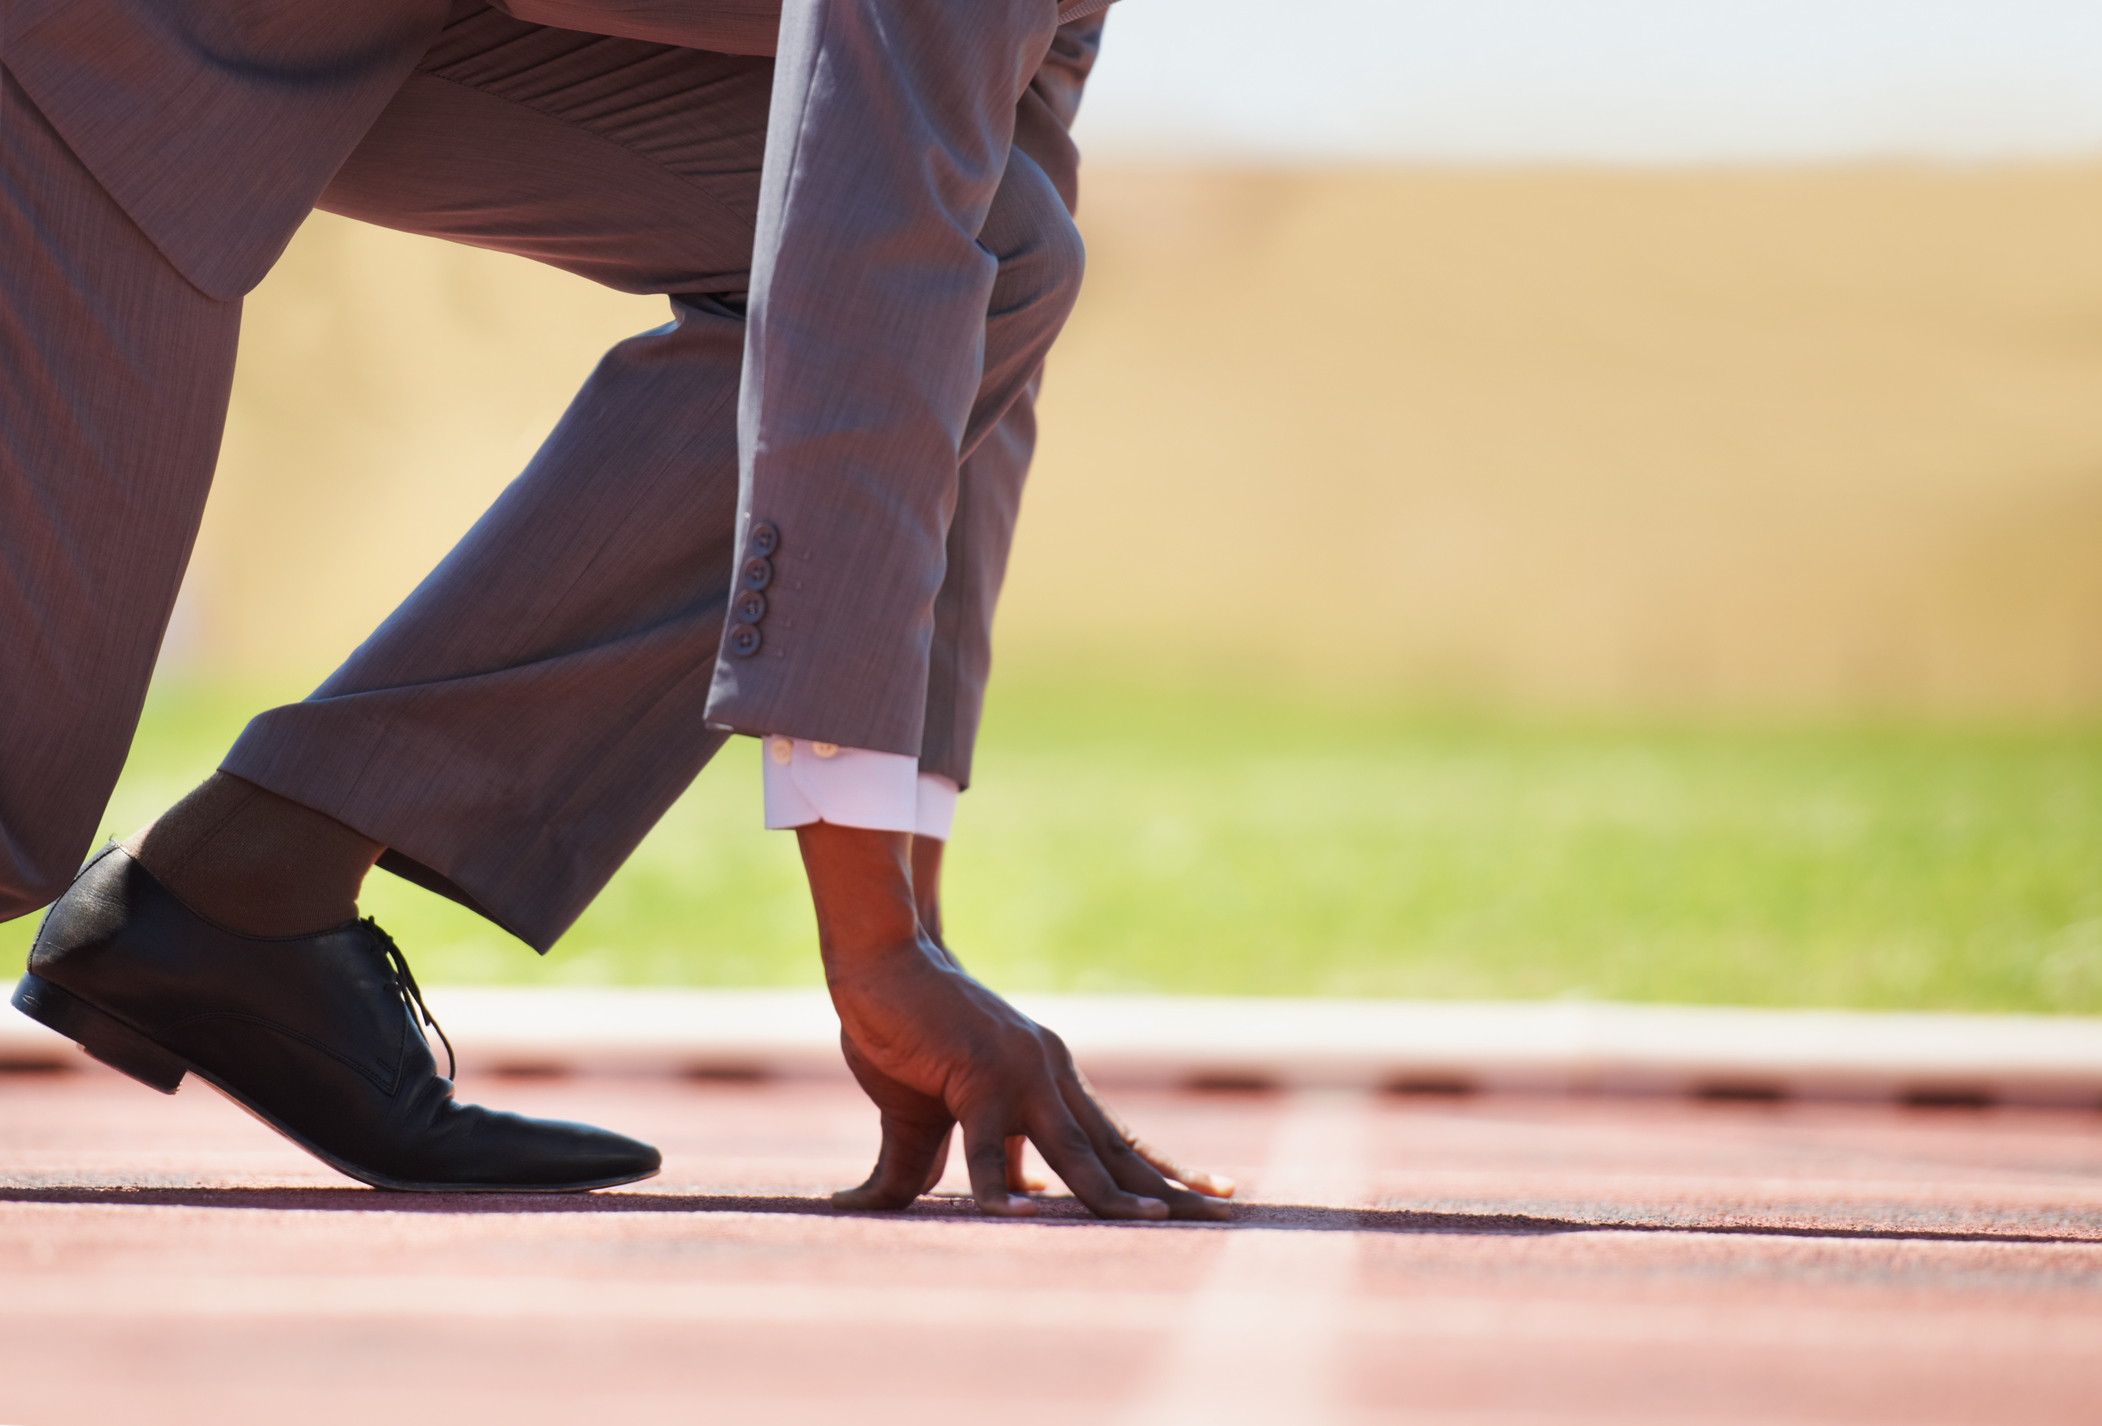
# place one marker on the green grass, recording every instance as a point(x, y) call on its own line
point(1202, 842)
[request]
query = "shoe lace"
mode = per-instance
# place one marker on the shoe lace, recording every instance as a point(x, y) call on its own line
point(412, 994)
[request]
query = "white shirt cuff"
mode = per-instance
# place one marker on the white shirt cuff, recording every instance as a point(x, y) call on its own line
point(807, 782)
point(937, 806)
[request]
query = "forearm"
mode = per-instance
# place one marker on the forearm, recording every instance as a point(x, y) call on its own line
point(809, 781)
point(861, 891)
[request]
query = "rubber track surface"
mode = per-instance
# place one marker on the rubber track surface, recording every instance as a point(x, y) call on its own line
point(1488, 1260)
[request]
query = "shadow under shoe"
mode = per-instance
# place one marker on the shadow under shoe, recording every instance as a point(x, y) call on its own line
point(314, 1035)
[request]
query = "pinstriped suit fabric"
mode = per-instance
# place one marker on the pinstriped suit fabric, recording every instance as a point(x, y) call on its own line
point(114, 374)
point(517, 725)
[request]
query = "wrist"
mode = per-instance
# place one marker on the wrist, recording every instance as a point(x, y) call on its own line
point(857, 970)
point(927, 884)
point(861, 892)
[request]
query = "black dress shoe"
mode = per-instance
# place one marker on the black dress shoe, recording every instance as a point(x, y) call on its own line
point(314, 1035)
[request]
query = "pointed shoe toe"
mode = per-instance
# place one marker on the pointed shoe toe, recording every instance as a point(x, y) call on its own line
point(490, 1149)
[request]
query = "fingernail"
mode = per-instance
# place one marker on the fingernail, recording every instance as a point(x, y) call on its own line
point(1153, 1208)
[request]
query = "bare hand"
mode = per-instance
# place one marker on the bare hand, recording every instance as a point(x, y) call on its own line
point(932, 1046)
point(927, 857)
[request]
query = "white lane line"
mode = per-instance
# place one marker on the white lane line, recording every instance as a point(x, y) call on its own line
point(1259, 1340)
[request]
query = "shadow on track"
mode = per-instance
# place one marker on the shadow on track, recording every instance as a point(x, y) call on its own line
point(1054, 1212)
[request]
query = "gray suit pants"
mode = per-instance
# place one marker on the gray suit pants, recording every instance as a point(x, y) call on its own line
point(517, 725)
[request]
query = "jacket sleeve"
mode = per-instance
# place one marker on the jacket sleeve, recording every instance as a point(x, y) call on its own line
point(889, 136)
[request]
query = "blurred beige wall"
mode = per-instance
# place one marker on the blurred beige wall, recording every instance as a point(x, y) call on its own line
point(1791, 441)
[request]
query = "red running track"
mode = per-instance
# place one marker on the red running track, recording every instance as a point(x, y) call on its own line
point(1491, 1260)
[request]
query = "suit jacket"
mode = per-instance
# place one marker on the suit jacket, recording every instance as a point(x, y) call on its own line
point(216, 123)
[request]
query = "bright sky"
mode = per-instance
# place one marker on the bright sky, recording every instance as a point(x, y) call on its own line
point(1627, 81)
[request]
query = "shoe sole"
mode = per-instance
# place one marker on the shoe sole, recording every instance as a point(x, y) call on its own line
point(131, 1052)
